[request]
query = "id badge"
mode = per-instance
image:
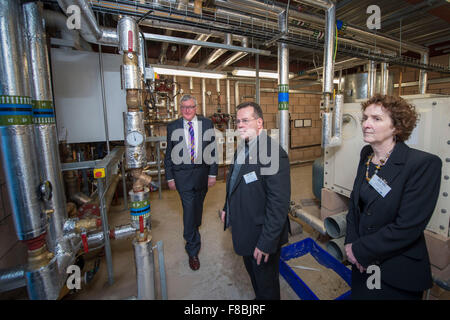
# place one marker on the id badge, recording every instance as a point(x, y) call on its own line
point(379, 185)
point(250, 177)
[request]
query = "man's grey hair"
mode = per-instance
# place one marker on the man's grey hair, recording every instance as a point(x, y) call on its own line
point(187, 97)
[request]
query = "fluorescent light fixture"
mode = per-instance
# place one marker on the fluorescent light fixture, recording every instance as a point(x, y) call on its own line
point(187, 72)
point(243, 72)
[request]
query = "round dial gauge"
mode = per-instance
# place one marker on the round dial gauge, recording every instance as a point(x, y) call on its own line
point(135, 138)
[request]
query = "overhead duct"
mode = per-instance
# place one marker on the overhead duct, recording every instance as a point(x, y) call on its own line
point(192, 51)
point(234, 57)
point(54, 19)
point(216, 53)
point(90, 30)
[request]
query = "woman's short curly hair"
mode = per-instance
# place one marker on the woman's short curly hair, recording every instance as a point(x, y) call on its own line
point(403, 114)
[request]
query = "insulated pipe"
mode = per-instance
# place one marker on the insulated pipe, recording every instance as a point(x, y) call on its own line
point(58, 20)
point(175, 98)
point(235, 57)
point(336, 224)
point(145, 269)
point(44, 119)
point(332, 137)
point(12, 278)
point(283, 85)
point(90, 30)
point(192, 51)
point(17, 136)
point(227, 81)
point(204, 97)
point(328, 60)
point(217, 52)
point(423, 76)
point(336, 248)
point(384, 78)
point(191, 84)
point(371, 78)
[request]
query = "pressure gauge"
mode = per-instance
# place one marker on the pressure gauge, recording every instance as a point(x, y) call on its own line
point(135, 138)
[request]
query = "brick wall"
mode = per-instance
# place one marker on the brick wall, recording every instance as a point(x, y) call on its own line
point(301, 106)
point(411, 75)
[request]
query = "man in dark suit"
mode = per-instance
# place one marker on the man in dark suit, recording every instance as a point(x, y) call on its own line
point(257, 200)
point(191, 168)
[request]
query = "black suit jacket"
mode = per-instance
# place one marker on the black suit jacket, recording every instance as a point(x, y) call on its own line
point(389, 232)
point(258, 211)
point(190, 176)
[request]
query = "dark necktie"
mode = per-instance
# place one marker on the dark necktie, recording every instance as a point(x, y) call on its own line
point(237, 167)
point(192, 141)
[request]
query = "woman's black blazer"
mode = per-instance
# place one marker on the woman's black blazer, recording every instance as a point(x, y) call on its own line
point(389, 231)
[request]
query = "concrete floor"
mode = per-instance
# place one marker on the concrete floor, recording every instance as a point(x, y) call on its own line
point(222, 275)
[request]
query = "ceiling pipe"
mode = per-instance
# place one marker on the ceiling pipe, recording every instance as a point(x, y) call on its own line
point(235, 57)
point(216, 53)
point(192, 51)
point(273, 8)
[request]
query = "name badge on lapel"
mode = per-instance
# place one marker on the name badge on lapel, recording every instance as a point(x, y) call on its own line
point(250, 177)
point(379, 185)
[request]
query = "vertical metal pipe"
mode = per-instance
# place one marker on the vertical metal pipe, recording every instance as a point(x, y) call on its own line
point(328, 59)
point(191, 84)
point(124, 183)
point(257, 82)
point(102, 82)
point(371, 78)
point(158, 161)
point(44, 119)
point(142, 57)
point(145, 269)
point(18, 144)
point(175, 98)
point(228, 101)
point(283, 85)
point(204, 97)
point(423, 76)
point(105, 227)
point(236, 95)
point(162, 271)
point(384, 78)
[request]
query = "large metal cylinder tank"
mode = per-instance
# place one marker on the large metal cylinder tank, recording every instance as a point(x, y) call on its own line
point(355, 86)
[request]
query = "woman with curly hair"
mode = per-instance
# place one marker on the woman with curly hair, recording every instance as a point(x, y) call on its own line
point(394, 195)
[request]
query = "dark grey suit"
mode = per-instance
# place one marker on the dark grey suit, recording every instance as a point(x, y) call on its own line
point(191, 180)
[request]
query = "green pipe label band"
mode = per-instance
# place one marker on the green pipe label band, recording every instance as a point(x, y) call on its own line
point(43, 112)
point(15, 110)
point(283, 97)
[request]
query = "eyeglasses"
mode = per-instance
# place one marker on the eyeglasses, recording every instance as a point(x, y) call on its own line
point(188, 107)
point(243, 121)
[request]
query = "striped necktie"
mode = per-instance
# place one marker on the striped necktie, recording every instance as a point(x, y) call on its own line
point(192, 142)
